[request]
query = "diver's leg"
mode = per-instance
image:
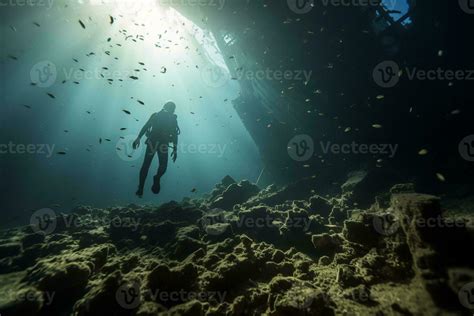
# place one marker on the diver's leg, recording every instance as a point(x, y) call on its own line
point(150, 152)
point(163, 161)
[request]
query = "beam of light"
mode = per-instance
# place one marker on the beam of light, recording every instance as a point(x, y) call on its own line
point(175, 53)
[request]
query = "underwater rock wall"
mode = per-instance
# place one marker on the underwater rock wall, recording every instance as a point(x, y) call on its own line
point(242, 250)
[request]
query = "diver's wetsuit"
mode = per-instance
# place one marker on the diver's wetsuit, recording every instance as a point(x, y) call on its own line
point(161, 129)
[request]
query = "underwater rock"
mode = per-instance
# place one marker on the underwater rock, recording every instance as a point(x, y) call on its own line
point(347, 276)
point(290, 296)
point(280, 259)
point(320, 205)
point(361, 232)
point(32, 239)
point(101, 299)
point(69, 277)
point(403, 188)
point(190, 308)
point(420, 217)
point(235, 193)
point(10, 249)
point(26, 301)
point(326, 244)
point(361, 187)
point(150, 309)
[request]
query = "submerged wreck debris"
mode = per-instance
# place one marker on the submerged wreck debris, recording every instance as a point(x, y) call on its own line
point(243, 251)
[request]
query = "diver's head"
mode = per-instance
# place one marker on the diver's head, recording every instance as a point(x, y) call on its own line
point(169, 107)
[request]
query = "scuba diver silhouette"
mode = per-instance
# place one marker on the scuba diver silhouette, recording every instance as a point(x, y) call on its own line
point(161, 129)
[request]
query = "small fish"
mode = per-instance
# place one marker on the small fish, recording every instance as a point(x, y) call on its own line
point(107, 139)
point(37, 24)
point(134, 78)
point(111, 19)
point(376, 126)
point(141, 102)
point(27, 106)
point(423, 152)
point(109, 39)
point(193, 190)
point(440, 177)
point(61, 153)
point(82, 24)
point(75, 60)
point(51, 95)
point(100, 140)
point(123, 128)
point(141, 63)
point(163, 70)
point(127, 112)
point(12, 57)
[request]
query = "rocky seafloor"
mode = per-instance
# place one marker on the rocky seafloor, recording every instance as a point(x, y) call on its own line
point(242, 250)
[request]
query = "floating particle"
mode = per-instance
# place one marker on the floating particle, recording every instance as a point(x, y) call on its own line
point(423, 152)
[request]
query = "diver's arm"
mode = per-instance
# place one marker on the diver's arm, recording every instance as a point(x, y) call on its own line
point(174, 154)
point(144, 129)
